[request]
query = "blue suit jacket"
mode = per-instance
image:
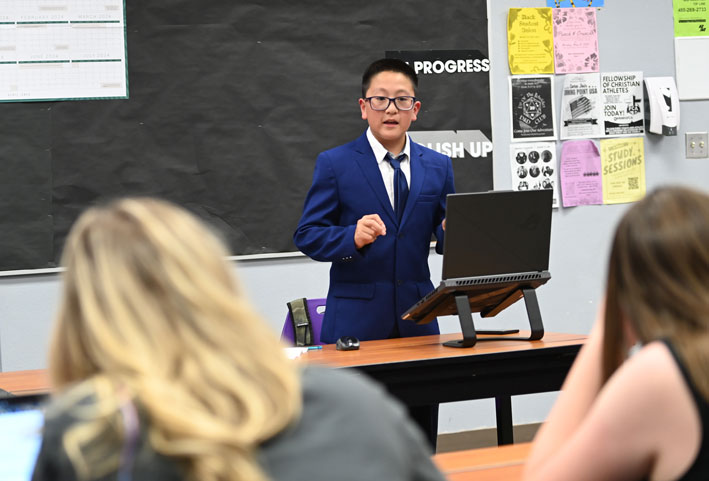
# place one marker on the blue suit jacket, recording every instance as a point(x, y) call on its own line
point(371, 287)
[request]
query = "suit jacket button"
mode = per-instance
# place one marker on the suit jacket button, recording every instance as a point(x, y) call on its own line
point(399, 282)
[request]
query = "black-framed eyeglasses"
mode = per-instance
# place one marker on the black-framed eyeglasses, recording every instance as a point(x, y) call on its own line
point(404, 102)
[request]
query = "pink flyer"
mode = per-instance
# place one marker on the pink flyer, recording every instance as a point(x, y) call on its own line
point(575, 40)
point(580, 173)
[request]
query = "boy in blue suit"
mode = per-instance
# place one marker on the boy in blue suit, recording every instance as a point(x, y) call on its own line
point(373, 218)
point(371, 210)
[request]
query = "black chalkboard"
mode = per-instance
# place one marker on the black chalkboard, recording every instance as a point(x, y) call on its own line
point(229, 105)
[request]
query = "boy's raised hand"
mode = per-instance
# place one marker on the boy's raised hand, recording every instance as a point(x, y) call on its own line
point(369, 227)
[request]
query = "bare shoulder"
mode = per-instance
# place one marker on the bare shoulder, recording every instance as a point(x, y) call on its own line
point(642, 423)
point(654, 353)
point(647, 398)
point(651, 375)
point(652, 398)
point(654, 358)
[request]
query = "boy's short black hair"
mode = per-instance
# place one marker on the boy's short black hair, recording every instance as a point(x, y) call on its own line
point(388, 65)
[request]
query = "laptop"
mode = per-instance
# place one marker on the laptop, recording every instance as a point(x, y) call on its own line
point(21, 420)
point(496, 244)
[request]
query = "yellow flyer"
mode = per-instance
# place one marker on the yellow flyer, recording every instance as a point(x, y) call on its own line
point(623, 170)
point(530, 40)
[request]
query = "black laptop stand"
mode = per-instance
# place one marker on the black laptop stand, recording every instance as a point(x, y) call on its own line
point(465, 316)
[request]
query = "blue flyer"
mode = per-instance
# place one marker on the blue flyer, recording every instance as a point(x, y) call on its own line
point(574, 3)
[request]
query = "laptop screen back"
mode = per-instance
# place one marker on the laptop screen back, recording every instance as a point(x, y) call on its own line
point(497, 232)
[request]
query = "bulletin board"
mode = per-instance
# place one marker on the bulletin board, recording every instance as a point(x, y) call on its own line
point(229, 105)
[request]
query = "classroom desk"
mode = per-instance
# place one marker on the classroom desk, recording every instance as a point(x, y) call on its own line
point(502, 463)
point(420, 371)
point(25, 383)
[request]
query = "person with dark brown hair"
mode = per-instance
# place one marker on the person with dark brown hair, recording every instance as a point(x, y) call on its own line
point(645, 415)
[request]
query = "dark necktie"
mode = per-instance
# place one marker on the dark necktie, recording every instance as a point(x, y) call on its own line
point(401, 188)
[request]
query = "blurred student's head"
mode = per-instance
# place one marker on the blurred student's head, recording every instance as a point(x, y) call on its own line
point(658, 277)
point(149, 303)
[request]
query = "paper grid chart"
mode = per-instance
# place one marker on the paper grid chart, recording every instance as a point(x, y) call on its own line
point(59, 49)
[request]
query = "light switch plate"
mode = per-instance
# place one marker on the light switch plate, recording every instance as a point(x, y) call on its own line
point(697, 145)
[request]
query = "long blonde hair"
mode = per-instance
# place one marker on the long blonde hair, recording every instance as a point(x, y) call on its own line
point(658, 279)
point(149, 304)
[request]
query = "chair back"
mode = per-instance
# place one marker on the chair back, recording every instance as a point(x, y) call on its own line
point(316, 311)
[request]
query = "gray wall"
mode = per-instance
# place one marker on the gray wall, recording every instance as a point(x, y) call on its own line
point(633, 35)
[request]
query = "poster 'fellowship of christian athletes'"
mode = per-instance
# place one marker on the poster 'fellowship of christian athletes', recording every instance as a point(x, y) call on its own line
point(623, 113)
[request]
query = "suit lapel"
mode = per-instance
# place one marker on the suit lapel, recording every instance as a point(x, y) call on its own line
point(370, 169)
point(418, 172)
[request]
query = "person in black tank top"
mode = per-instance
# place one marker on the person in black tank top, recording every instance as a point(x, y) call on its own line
point(635, 404)
point(699, 471)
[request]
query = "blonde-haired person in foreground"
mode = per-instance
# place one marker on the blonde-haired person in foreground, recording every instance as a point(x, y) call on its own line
point(163, 371)
point(645, 417)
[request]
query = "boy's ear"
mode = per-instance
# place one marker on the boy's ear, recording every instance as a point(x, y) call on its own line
point(415, 110)
point(362, 107)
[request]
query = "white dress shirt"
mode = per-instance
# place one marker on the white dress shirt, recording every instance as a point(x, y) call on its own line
point(385, 166)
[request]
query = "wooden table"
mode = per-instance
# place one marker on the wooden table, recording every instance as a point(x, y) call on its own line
point(420, 371)
point(502, 463)
point(25, 383)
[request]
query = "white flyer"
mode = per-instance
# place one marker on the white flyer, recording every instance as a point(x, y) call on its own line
point(534, 167)
point(582, 107)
